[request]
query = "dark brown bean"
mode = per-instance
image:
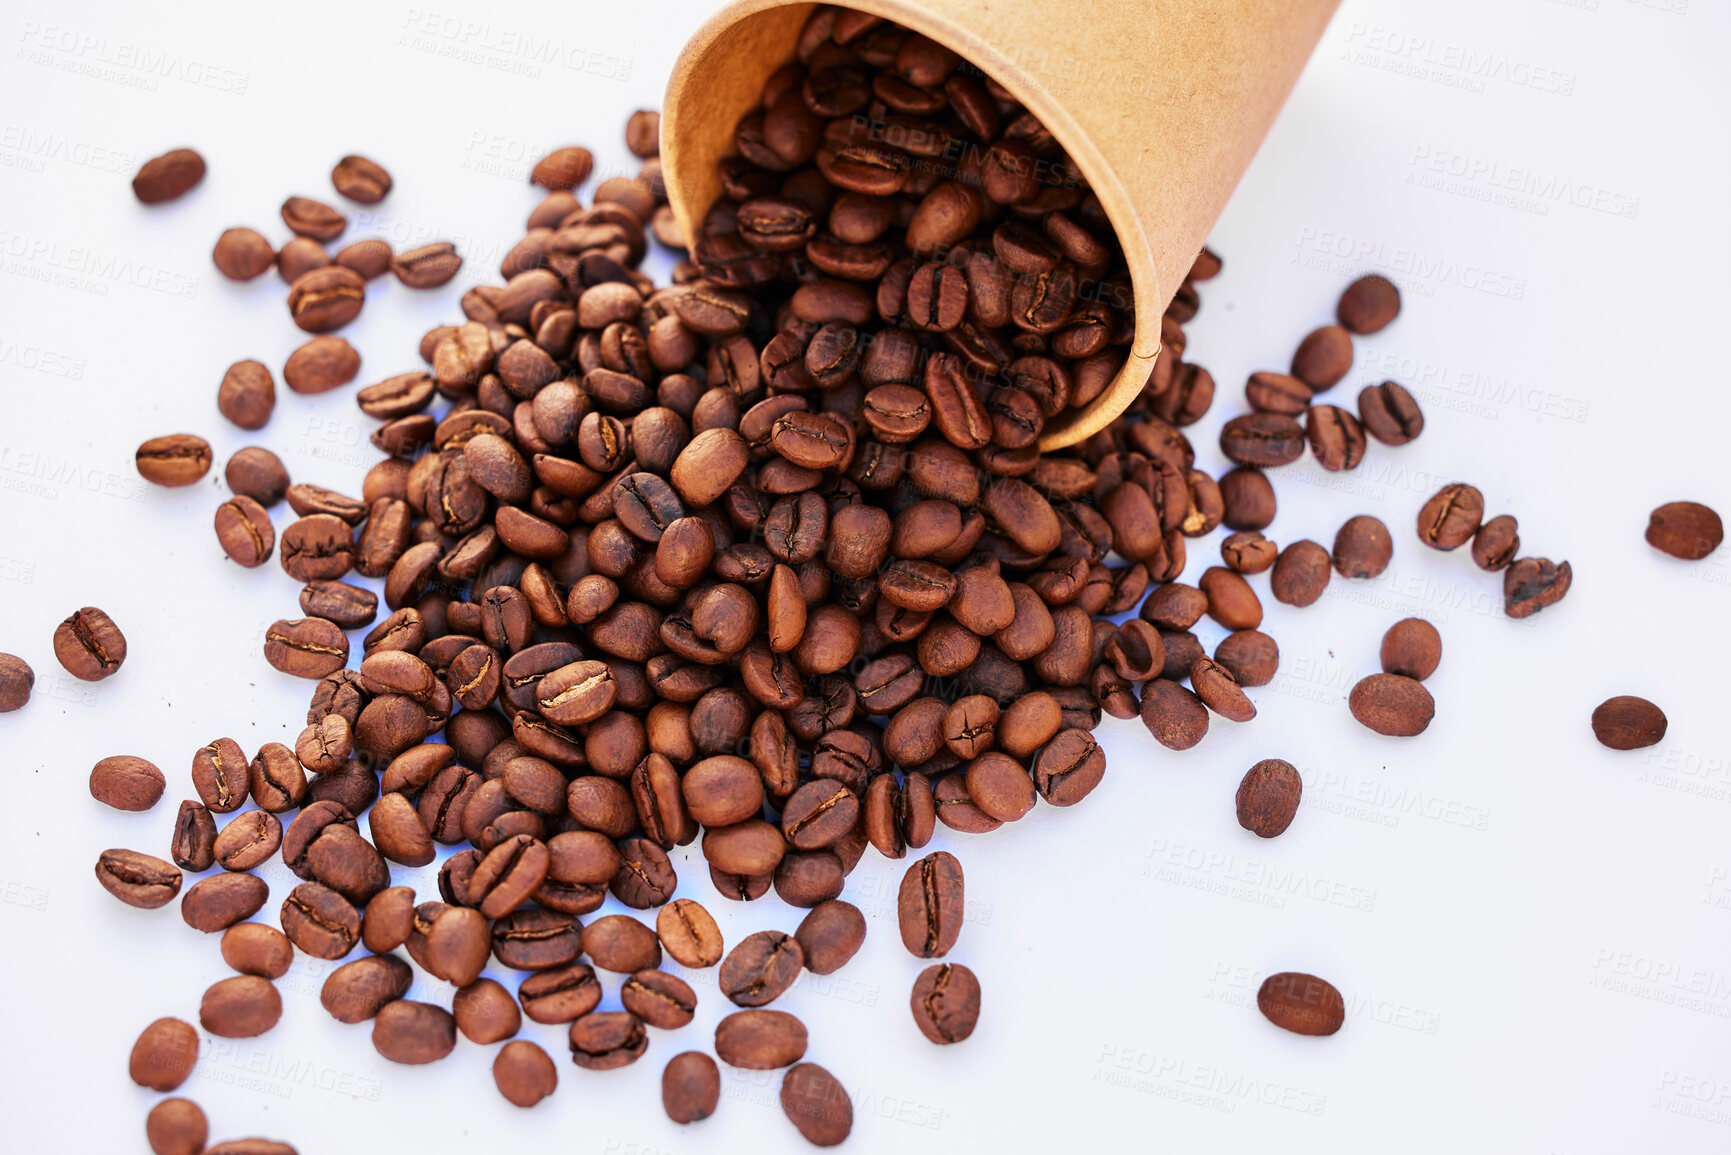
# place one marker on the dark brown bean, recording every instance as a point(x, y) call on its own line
point(1268, 797)
point(1684, 529)
point(1411, 647)
point(1628, 723)
point(946, 1003)
point(1301, 1003)
point(126, 782)
point(1392, 704)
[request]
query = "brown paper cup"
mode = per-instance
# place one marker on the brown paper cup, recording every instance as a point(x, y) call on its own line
point(1161, 103)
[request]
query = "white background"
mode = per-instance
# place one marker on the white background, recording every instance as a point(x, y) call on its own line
point(1533, 934)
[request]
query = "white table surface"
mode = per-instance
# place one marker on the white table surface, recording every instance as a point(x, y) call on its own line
point(1533, 934)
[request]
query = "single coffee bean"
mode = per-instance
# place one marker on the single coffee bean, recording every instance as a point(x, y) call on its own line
point(1301, 1003)
point(318, 547)
point(1532, 583)
point(249, 1147)
point(176, 1127)
point(1277, 393)
point(89, 645)
point(690, 1087)
point(241, 1007)
point(829, 935)
point(761, 968)
point(1248, 552)
point(242, 254)
point(326, 298)
point(607, 1040)
point(1175, 716)
point(1323, 357)
point(1231, 601)
point(1268, 797)
point(1247, 499)
point(1368, 304)
point(1628, 723)
point(138, 879)
point(688, 933)
point(646, 877)
point(1300, 574)
point(298, 256)
point(561, 995)
point(1389, 413)
point(1068, 768)
point(1392, 704)
point(252, 948)
point(413, 1033)
point(1000, 786)
point(1685, 529)
point(427, 267)
point(760, 1040)
point(524, 1073)
point(358, 991)
point(659, 999)
point(817, 1104)
point(306, 647)
point(946, 1002)
point(1496, 543)
point(322, 364)
point(1250, 656)
point(126, 782)
point(1219, 691)
point(563, 168)
point(309, 218)
point(361, 180)
point(1362, 547)
point(221, 775)
point(167, 177)
point(276, 779)
point(250, 840)
point(193, 846)
point(1451, 517)
point(16, 681)
point(244, 530)
point(1335, 436)
point(621, 944)
point(1411, 647)
point(257, 473)
point(320, 921)
point(349, 606)
point(164, 1054)
point(929, 905)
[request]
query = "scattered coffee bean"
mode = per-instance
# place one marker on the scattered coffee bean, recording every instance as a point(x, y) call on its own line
point(361, 180)
point(176, 1127)
point(661, 1000)
point(1628, 723)
point(1392, 704)
point(244, 530)
point(607, 1040)
point(247, 394)
point(322, 364)
point(690, 1087)
point(306, 647)
point(17, 679)
point(1175, 716)
point(1496, 543)
point(427, 267)
point(414, 1033)
point(167, 177)
point(193, 846)
point(1268, 797)
point(1369, 304)
point(1451, 517)
point(1323, 357)
point(829, 935)
point(164, 1055)
point(175, 460)
point(309, 218)
point(1532, 583)
point(1362, 547)
point(252, 948)
point(761, 968)
point(1411, 647)
point(1685, 529)
point(563, 168)
point(946, 1002)
point(126, 782)
point(688, 933)
point(929, 905)
point(242, 254)
point(1301, 1003)
point(816, 1104)
point(358, 991)
point(241, 1007)
point(1389, 413)
point(218, 902)
point(1300, 574)
point(760, 1040)
point(524, 1073)
point(138, 879)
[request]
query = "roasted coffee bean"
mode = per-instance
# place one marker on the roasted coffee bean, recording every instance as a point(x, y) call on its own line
point(1392, 704)
point(320, 921)
point(830, 935)
point(1262, 440)
point(164, 1054)
point(929, 905)
point(1068, 768)
point(1684, 529)
point(1532, 583)
point(817, 1104)
point(1300, 574)
point(167, 177)
point(1231, 601)
point(1496, 543)
point(524, 1073)
point(1247, 500)
point(361, 180)
point(16, 681)
point(1175, 716)
point(1411, 647)
point(126, 782)
point(760, 1040)
point(1301, 1003)
point(320, 365)
point(176, 1127)
point(1219, 691)
point(1250, 656)
point(89, 645)
point(414, 1033)
point(309, 218)
point(1277, 393)
point(1000, 786)
point(1451, 517)
point(690, 1087)
point(1362, 547)
point(1389, 413)
point(621, 944)
point(306, 647)
point(327, 298)
point(221, 775)
point(563, 168)
point(193, 846)
point(659, 999)
point(252, 948)
point(349, 606)
point(250, 839)
point(486, 1012)
point(318, 547)
point(242, 254)
point(817, 815)
point(561, 995)
point(244, 530)
point(946, 1002)
point(1368, 304)
point(1248, 552)
point(607, 1040)
point(688, 933)
point(1323, 357)
point(241, 1007)
point(761, 968)
point(1268, 797)
point(1335, 436)
point(358, 991)
point(531, 939)
point(1628, 723)
point(646, 877)
point(276, 779)
point(137, 879)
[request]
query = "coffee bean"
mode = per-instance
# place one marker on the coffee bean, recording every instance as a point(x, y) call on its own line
point(817, 815)
point(320, 921)
point(242, 254)
point(1532, 583)
point(1392, 704)
point(306, 647)
point(1628, 723)
point(427, 267)
point(607, 1040)
point(413, 1033)
point(1250, 656)
point(326, 298)
point(1247, 500)
point(361, 180)
point(1411, 647)
point(1323, 357)
point(1301, 1003)
point(167, 177)
point(1175, 716)
point(761, 968)
point(299, 256)
point(560, 995)
point(563, 168)
point(1300, 574)
point(1268, 797)
point(252, 948)
point(659, 999)
point(89, 645)
point(309, 218)
point(946, 1002)
point(1335, 436)
point(1496, 543)
point(1389, 413)
point(1231, 601)
point(524, 1073)
point(358, 991)
point(760, 1040)
point(176, 1127)
point(137, 879)
point(816, 1104)
point(16, 681)
point(1000, 787)
point(193, 846)
point(244, 530)
point(1368, 304)
point(1068, 768)
point(249, 1147)
point(1248, 552)
point(929, 905)
point(241, 1007)
point(126, 782)
point(164, 1055)
point(621, 944)
point(1362, 547)
point(174, 460)
point(221, 775)
point(1685, 529)
point(1219, 691)
point(249, 840)
point(1451, 517)
point(690, 1087)
point(322, 364)
point(1277, 393)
